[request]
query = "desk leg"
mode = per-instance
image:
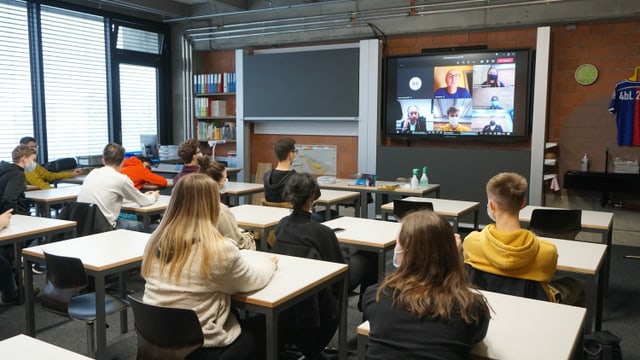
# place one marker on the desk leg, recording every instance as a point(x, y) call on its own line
point(146, 220)
point(475, 220)
point(381, 265)
point(607, 238)
point(29, 303)
point(123, 295)
point(327, 212)
point(362, 346)
point(272, 335)
point(455, 224)
point(364, 206)
point(263, 240)
point(17, 266)
point(600, 288)
point(101, 318)
point(342, 336)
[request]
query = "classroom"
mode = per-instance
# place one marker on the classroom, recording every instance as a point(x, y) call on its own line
point(342, 78)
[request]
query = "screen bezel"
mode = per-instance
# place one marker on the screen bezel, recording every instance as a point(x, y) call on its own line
point(520, 113)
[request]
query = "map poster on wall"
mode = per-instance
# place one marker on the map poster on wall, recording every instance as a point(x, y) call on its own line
point(318, 160)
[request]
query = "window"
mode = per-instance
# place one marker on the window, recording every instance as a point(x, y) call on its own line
point(139, 40)
point(16, 118)
point(138, 104)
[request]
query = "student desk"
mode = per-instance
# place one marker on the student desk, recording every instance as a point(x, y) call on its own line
point(146, 212)
point(23, 347)
point(24, 228)
point(585, 258)
point(599, 222)
point(401, 189)
point(368, 235)
point(79, 180)
point(328, 198)
point(453, 209)
point(259, 218)
point(295, 279)
point(520, 328)
point(45, 198)
point(236, 189)
point(111, 252)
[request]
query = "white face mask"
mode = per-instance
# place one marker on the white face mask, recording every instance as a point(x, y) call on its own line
point(30, 167)
point(453, 121)
point(490, 214)
point(224, 186)
point(396, 264)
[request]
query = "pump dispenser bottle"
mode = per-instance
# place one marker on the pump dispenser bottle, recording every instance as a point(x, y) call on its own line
point(415, 183)
point(424, 180)
point(584, 164)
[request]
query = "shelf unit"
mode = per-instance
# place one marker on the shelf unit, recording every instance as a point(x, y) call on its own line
point(550, 163)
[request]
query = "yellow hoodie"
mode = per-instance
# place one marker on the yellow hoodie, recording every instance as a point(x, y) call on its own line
point(518, 254)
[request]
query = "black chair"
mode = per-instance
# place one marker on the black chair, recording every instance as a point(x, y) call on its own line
point(89, 218)
point(63, 164)
point(164, 332)
point(65, 280)
point(403, 207)
point(506, 285)
point(556, 223)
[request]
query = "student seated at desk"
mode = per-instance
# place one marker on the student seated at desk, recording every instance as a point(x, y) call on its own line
point(188, 264)
point(505, 249)
point(189, 151)
point(227, 224)
point(41, 177)
point(311, 324)
point(12, 180)
point(138, 169)
point(427, 309)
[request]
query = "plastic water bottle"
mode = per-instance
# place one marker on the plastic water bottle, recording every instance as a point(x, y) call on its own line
point(424, 180)
point(584, 164)
point(415, 183)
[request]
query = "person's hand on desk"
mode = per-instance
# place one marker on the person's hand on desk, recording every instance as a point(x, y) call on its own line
point(77, 172)
point(5, 218)
point(155, 194)
point(275, 260)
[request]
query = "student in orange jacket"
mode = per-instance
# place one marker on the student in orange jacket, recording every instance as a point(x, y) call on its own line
point(139, 171)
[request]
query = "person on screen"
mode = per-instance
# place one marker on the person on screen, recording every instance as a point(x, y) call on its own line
point(495, 103)
point(41, 177)
point(492, 78)
point(414, 122)
point(453, 115)
point(492, 128)
point(426, 309)
point(452, 90)
point(188, 264)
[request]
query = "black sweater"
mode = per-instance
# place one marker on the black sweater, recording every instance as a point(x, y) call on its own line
point(12, 188)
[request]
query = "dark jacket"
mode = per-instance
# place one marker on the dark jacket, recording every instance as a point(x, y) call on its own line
point(12, 188)
point(274, 182)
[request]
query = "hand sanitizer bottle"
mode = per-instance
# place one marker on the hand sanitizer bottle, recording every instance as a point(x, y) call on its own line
point(424, 180)
point(584, 164)
point(415, 183)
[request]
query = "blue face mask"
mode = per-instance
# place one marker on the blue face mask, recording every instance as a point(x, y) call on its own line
point(30, 167)
point(494, 103)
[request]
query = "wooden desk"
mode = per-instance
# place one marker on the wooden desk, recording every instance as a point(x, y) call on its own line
point(521, 328)
point(453, 209)
point(295, 279)
point(402, 190)
point(146, 212)
point(24, 228)
point(23, 347)
point(112, 252)
point(236, 189)
point(585, 258)
point(259, 218)
point(368, 235)
point(45, 198)
point(599, 222)
point(328, 198)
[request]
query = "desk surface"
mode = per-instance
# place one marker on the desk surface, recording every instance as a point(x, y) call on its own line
point(160, 205)
point(294, 276)
point(578, 256)
point(258, 216)
point(520, 329)
point(54, 194)
point(242, 188)
point(597, 220)
point(403, 188)
point(329, 196)
point(23, 347)
point(23, 226)
point(441, 206)
point(367, 232)
point(99, 251)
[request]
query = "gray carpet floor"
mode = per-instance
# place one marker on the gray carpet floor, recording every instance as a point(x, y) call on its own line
point(621, 316)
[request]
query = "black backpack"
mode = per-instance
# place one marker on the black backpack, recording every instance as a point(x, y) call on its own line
point(602, 345)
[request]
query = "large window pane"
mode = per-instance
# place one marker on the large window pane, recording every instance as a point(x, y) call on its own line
point(138, 104)
point(75, 82)
point(16, 120)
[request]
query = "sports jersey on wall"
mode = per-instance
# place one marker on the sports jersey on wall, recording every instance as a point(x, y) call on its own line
point(625, 104)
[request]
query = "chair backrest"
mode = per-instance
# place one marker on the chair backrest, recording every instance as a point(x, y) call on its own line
point(89, 218)
point(261, 169)
point(402, 207)
point(556, 223)
point(284, 204)
point(65, 279)
point(506, 285)
point(164, 332)
point(61, 164)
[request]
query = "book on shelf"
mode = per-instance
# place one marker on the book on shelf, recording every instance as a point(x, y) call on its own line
point(216, 131)
point(214, 83)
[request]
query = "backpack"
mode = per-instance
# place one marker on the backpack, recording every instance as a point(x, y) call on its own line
point(602, 345)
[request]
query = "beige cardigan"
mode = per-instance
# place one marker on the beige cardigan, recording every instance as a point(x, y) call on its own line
point(211, 300)
point(228, 226)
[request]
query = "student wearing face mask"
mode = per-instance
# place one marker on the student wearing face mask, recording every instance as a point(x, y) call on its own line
point(12, 180)
point(227, 224)
point(427, 308)
point(39, 176)
point(492, 78)
point(453, 116)
point(189, 152)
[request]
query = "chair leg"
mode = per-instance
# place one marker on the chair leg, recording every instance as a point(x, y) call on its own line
point(91, 346)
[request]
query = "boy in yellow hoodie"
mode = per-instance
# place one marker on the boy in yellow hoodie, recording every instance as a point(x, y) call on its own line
point(505, 249)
